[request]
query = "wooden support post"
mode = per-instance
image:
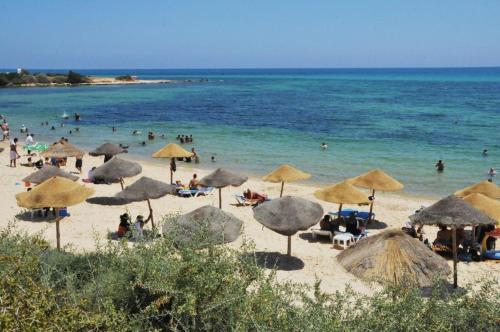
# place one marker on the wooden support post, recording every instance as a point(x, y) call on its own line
point(121, 182)
point(455, 258)
point(220, 198)
point(371, 206)
point(289, 248)
point(282, 185)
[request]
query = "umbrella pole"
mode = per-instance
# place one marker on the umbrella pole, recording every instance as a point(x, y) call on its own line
point(454, 243)
point(371, 206)
point(220, 198)
point(121, 182)
point(282, 185)
point(340, 210)
point(289, 248)
point(151, 214)
point(58, 232)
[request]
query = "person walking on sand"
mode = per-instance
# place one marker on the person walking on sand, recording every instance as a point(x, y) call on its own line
point(13, 153)
point(439, 166)
point(491, 174)
point(79, 163)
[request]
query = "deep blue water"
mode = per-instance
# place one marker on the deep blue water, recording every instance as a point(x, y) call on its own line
point(401, 120)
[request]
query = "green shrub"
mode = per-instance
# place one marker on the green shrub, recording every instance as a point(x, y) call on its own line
point(28, 79)
point(3, 80)
point(42, 79)
point(157, 285)
point(75, 78)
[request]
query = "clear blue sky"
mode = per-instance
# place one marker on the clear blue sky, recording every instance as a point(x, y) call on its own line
point(248, 33)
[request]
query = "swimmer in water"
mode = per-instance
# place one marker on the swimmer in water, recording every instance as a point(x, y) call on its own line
point(485, 152)
point(439, 166)
point(143, 143)
point(324, 146)
point(113, 129)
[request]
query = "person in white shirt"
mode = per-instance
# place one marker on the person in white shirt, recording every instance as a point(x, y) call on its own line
point(491, 174)
point(29, 140)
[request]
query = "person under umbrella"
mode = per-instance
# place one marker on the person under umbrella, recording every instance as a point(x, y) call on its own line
point(116, 169)
point(221, 178)
point(341, 193)
point(288, 215)
point(108, 150)
point(172, 151)
point(144, 189)
point(57, 193)
point(285, 173)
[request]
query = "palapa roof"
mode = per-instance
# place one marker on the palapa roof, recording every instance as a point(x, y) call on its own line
point(56, 192)
point(341, 193)
point(488, 206)
point(395, 257)
point(62, 150)
point(172, 150)
point(286, 173)
point(221, 178)
point(288, 215)
point(47, 172)
point(220, 226)
point(451, 211)
point(107, 149)
point(117, 168)
point(485, 187)
point(143, 189)
point(376, 179)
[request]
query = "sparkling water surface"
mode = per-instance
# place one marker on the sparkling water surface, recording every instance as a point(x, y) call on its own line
point(401, 120)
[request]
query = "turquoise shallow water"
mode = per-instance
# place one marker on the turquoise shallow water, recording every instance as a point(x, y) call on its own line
point(401, 120)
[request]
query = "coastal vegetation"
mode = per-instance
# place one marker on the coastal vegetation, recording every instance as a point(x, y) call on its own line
point(159, 285)
point(24, 78)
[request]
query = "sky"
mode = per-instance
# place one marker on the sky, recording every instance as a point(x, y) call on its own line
point(82, 34)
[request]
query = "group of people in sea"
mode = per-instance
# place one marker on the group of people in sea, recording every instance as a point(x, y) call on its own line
point(185, 138)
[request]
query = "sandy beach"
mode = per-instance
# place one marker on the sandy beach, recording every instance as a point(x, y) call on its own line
point(90, 223)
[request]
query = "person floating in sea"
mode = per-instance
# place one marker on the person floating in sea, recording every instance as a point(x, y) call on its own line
point(151, 136)
point(485, 152)
point(213, 159)
point(324, 146)
point(77, 117)
point(491, 174)
point(143, 143)
point(52, 128)
point(439, 166)
point(77, 129)
point(136, 132)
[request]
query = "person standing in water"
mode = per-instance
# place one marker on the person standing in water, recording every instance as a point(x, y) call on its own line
point(491, 174)
point(439, 166)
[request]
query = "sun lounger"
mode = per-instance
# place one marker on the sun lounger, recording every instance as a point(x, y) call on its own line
point(344, 213)
point(365, 215)
point(242, 200)
point(195, 192)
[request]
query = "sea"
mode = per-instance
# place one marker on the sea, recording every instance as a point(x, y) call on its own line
point(252, 120)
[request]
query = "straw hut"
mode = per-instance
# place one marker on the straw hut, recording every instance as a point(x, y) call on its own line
point(116, 169)
point(221, 178)
point(172, 151)
point(485, 187)
point(57, 193)
point(144, 189)
point(376, 179)
point(288, 215)
point(48, 172)
point(217, 225)
point(286, 173)
point(456, 213)
point(395, 257)
point(341, 193)
point(62, 150)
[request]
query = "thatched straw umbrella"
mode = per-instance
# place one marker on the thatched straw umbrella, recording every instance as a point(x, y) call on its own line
point(341, 193)
point(489, 206)
point(143, 189)
point(220, 226)
point(62, 150)
point(376, 179)
point(288, 215)
point(395, 257)
point(221, 178)
point(116, 169)
point(48, 172)
point(486, 188)
point(57, 193)
point(172, 151)
point(454, 212)
point(108, 150)
point(286, 173)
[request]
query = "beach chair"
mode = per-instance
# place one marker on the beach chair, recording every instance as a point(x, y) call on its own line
point(344, 213)
point(195, 192)
point(243, 201)
point(365, 215)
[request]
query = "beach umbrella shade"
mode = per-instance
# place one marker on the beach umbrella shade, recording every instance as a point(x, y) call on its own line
point(341, 193)
point(144, 189)
point(286, 173)
point(395, 257)
point(116, 169)
point(288, 215)
point(454, 212)
point(376, 179)
point(48, 172)
point(485, 187)
point(221, 178)
point(57, 193)
point(172, 151)
point(62, 150)
point(108, 150)
point(488, 206)
point(217, 225)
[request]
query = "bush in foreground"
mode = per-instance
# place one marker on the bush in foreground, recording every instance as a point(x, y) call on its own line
point(159, 286)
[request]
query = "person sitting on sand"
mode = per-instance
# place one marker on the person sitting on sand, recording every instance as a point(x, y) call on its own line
point(327, 224)
point(443, 237)
point(352, 225)
point(139, 226)
point(90, 176)
point(47, 162)
point(39, 163)
point(30, 154)
point(124, 226)
point(194, 184)
point(439, 166)
point(29, 163)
